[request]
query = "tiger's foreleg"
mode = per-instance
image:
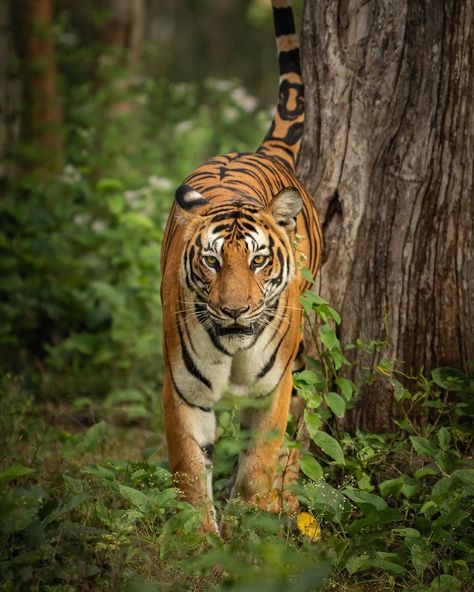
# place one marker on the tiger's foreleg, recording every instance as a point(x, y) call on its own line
point(257, 467)
point(190, 435)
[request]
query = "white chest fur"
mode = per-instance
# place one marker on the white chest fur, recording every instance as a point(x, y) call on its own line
point(208, 373)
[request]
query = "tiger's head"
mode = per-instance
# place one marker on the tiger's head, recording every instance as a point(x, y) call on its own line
point(237, 260)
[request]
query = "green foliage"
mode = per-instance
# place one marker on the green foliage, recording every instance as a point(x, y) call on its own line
point(79, 264)
point(395, 509)
point(396, 505)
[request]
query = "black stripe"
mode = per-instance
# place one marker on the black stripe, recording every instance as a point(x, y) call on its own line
point(209, 331)
point(190, 365)
point(208, 451)
point(178, 392)
point(283, 21)
point(289, 61)
point(222, 228)
point(233, 214)
point(183, 398)
point(300, 349)
point(269, 365)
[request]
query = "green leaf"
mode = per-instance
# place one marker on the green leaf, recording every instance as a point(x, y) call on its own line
point(421, 557)
point(338, 358)
point(325, 311)
point(364, 562)
point(357, 564)
point(135, 497)
point(450, 518)
point(324, 499)
point(329, 446)
point(426, 471)
point(69, 505)
point(328, 337)
point(336, 404)
point(347, 387)
point(429, 508)
point(465, 476)
point(444, 438)
point(391, 487)
point(409, 487)
point(311, 468)
point(313, 422)
point(376, 517)
point(445, 583)
point(389, 566)
point(99, 471)
point(441, 487)
point(364, 498)
point(14, 472)
point(398, 390)
point(309, 301)
point(306, 274)
point(410, 533)
point(450, 379)
point(313, 298)
point(423, 446)
point(310, 378)
point(94, 437)
point(109, 185)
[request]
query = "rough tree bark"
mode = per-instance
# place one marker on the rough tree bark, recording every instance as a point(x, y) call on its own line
point(42, 124)
point(388, 153)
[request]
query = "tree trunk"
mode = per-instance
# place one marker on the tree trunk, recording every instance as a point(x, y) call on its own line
point(388, 154)
point(124, 29)
point(42, 125)
point(9, 95)
point(122, 37)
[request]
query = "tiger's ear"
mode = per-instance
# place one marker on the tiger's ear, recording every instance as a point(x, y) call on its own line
point(188, 198)
point(285, 206)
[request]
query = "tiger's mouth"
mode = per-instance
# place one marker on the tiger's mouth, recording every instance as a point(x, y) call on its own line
point(235, 329)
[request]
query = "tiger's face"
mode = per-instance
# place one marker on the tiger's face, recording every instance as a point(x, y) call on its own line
point(237, 262)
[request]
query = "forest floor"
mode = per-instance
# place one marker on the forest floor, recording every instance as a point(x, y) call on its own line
point(87, 503)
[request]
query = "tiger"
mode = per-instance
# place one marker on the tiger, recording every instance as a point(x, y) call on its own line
point(240, 230)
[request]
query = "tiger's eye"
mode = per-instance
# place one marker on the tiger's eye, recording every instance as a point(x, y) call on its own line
point(211, 260)
point(259, 259)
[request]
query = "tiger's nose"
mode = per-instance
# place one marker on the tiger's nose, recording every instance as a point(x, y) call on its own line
point(235, 313)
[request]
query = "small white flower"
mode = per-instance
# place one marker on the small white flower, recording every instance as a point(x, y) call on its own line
point(98, 226)
point(70, 174)
point(79, 219)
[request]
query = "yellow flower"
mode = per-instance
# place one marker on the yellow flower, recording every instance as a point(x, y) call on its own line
point(308, 526)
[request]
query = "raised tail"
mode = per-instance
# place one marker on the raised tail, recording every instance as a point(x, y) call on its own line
point(284, 136)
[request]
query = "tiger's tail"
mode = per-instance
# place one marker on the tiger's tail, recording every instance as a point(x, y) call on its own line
point(283, 139)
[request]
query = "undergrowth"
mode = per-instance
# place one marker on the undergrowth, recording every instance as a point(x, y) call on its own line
point(87, 502)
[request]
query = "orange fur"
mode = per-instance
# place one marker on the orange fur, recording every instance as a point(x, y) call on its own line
point(240, 230)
